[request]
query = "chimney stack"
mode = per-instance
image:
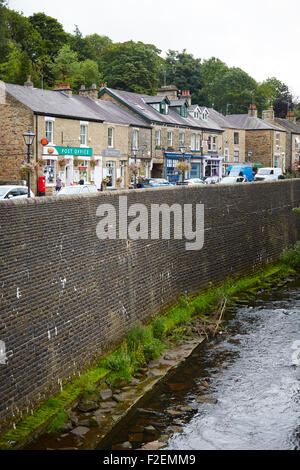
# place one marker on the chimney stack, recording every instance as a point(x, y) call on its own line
point(92, 92)
point(291, 116)
point(186, 94)
point(171, 91)
point(252, 111)
point(65, 89)
point(29, 83)
point(268, 114)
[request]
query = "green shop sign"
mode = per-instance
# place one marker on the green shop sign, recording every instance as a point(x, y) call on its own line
point(76, 151)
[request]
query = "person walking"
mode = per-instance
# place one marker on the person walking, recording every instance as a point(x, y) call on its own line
point(58, 184)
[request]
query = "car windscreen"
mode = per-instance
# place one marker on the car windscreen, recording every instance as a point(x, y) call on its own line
point(264, 172)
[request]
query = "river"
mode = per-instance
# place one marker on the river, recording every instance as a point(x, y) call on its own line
point(238, 391)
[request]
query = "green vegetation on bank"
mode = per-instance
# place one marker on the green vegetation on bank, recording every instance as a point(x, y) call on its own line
point(146, 343)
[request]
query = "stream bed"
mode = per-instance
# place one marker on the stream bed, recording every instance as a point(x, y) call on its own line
point(237, 391)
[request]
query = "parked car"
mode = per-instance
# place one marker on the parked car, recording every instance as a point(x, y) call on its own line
point(211, 179)
point(268, 174)
point(233, 179)
point(240, 170)
point(194, 181)
point(14, 192)
point(155, 183)
point(80, 189)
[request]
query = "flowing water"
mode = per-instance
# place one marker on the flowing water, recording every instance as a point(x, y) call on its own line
point(239, 391)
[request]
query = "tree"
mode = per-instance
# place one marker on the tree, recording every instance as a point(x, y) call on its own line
point(212, 70)
point(22, 32)
point(95, 45)
point(131, 66)
point(67, 69)
point(17, 66)
point(184, 71)
point(4, 49)
point(79, 45)
point(234, 91)
point(51, 32)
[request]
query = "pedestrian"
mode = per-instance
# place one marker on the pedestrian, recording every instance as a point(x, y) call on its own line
point(81, 181)
point(58, 184)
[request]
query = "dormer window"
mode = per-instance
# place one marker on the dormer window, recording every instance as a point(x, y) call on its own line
point(164, 108)
point(196, 114)
point(205, 115)
point(183, 111)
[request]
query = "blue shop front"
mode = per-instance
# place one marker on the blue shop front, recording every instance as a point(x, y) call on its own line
point(200, 166)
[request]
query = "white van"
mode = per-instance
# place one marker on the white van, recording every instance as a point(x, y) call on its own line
point(268, 174)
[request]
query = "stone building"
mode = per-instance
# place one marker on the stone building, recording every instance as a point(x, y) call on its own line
point(87, 139)
point(234, 140)
point(265, 143)
point(292, 129)
point(177, 133)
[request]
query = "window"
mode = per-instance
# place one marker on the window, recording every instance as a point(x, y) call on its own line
point(277, 140)
point(83, 134)
point(297, 141)
point(110, 172)
point(214, 144)
point(49, 131)
point(164, 108)
point(205, 115)
point(236, 156)
point(135, 139)
point(170, 139)
point(156, 106)
point(110, 137)
point(196, 114)
point(83, 170)
point(236, 138)
point(193, 142)
point(198, 145)
point(181, 139)
point(209, 143)
point(157, 138)
point(226, 155)
point(49, 171)
point(183, 111)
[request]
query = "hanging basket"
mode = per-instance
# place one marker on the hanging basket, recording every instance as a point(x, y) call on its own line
point(27, 168)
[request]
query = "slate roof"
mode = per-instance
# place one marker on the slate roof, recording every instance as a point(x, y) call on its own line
point(138, 102)
point(290, 125)
point(243, 121)
point(58, 103)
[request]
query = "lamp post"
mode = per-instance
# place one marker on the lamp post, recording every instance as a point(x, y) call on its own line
point(183, 151)
point(28, 138)
point(135, 151)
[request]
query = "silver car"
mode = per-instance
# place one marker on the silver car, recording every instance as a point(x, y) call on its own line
point(79, 189)
point(14, 192)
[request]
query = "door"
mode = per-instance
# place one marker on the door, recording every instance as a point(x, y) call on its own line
point(98, 174)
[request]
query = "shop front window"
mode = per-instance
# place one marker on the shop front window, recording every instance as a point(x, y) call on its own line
point(83, 170)
point(49, 171)
point(110, 173)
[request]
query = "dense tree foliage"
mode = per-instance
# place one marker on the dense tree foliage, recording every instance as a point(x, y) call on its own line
point(184, 71)
point(39, 46)
point(131, 66)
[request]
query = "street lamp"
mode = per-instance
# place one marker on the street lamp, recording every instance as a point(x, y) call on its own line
point(183, 151)
point(135, 151)
point(28, 138)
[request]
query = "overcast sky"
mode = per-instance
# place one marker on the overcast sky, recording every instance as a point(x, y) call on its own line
point(259, 36)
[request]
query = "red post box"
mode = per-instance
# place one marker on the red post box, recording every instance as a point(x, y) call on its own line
point(42, 185)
